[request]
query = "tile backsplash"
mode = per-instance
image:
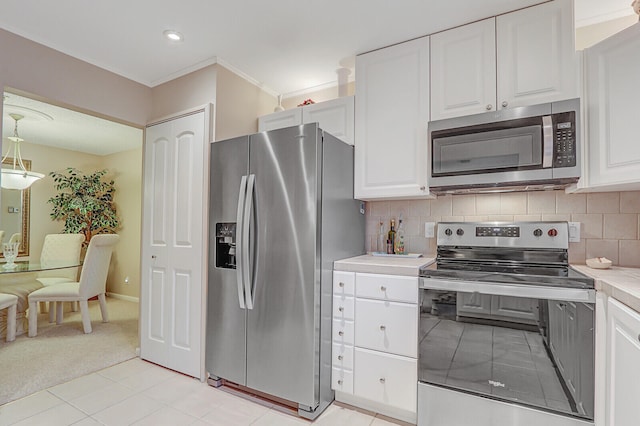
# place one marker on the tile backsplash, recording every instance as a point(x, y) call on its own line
point(609, 221)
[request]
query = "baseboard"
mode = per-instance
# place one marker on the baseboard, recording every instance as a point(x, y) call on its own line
point(124, 297)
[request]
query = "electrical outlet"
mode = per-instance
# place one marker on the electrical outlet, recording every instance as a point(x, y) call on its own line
point(574, 232)
point(429, 229)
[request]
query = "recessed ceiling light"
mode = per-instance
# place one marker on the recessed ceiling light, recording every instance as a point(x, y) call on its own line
point(173, 35)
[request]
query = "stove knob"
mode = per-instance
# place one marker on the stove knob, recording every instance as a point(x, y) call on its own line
point(552, 232)
point(460, 232)
point(448, 232)
point(537, 232)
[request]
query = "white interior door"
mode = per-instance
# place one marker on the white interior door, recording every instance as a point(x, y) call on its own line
point(173, 247)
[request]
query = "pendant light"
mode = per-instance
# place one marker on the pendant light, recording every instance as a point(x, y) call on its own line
point(17, 177)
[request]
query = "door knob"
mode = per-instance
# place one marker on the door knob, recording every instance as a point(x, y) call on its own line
point(341, 284)
point(340, 333)
point(339, 357)
point(340, 382)
point(382, 380)
point(383, 328)
point(505, 103)
point(489, 107)
point(153, 256)
point(383, 288)
point(341, 309)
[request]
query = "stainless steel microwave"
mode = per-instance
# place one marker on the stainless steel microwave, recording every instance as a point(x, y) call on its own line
point(532, 147)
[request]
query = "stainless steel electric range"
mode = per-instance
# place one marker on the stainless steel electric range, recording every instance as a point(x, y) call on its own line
point(506, 329)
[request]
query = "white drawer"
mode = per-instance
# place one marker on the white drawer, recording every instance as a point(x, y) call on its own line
point(343, 331)
point(343, 307)
point(344, 283)
point(342, 380)
point(387, 287)
point(389, 379)
point(387, 326)
point(342, 356)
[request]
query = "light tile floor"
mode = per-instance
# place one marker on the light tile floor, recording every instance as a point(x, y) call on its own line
point(137, 392)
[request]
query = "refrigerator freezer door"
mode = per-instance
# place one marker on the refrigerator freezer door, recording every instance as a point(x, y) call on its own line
point(282, 330)
point(226, 320)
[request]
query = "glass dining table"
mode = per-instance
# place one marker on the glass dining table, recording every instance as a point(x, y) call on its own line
point(24, 266)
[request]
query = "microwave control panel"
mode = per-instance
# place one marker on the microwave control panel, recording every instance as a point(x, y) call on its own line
point(564, 138)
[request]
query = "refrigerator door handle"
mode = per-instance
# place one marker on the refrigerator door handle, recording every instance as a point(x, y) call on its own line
point(240, 259)
point(248, 205)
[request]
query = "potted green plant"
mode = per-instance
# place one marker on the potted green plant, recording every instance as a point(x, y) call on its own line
point(84, 203)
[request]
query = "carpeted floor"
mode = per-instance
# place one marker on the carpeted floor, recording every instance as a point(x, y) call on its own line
point(60, 353)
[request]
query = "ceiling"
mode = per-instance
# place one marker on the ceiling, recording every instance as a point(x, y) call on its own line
point(287, 46)
point(46, 124)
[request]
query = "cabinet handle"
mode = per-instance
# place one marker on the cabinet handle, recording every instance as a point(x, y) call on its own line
point(340, 382)
point(383, 328)
point(339, 357)
point(153, 256)
point(383, 288)
point(340, 333)
point(422, 188)
point(489, 107)
point(504, 104)
point(341, 309)
point(341, 284)
point(382, 380)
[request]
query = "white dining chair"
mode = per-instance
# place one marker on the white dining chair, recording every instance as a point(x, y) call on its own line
point(58, 249)
point(93, 280)
point(15, 238)
point(10, 302)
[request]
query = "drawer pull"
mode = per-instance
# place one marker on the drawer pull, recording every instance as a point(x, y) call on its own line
point(382, 380)
point(341, 309)
point(340, 382)
point(505, 103)
point(341, 284)
point(340, 333)
point(383, 328)
point(339, 357)
point(383, 288)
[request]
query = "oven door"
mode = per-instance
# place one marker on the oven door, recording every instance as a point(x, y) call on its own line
point(505, 347)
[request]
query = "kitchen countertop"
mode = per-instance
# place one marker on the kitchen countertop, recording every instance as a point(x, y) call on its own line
point(391, 265)
point(621, 283)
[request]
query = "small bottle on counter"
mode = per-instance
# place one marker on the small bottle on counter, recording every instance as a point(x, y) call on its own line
point(399, 241)
point(389, 247)
point(391, 237)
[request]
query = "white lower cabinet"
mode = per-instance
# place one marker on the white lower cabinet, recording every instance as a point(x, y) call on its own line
point(375, 342)
point(622, 361)
point(386, 378)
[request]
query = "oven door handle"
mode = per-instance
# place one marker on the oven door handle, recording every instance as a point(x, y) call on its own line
point(515, 290)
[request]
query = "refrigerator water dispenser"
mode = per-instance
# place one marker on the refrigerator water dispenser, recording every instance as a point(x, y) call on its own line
point(226, 245)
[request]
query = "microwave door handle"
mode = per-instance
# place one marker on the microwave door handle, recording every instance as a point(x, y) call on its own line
point(547, 140)
point(246, 274)
point(239, 241)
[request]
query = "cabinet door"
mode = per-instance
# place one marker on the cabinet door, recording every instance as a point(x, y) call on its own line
point(613, 154)
point(536, 55)
point(392, 110)
point(463, 70)
point(280, 119)
point(385, 378)
point(623, 358)
point(516, 308)
point(335, 116)
point(387, 326)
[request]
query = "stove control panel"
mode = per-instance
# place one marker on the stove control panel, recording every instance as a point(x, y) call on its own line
point(504, 234)
point(497, 231)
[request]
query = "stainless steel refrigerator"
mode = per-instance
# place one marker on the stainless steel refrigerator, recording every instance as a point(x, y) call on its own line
point(281, 211)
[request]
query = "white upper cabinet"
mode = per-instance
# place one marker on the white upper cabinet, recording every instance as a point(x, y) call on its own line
point(536, 55)
point(463, 70)
point(612, 96)
point(334, 116)
point(520, 58)
point(280, 119)
point(392, 111)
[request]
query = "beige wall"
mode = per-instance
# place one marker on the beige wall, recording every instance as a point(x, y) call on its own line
point(125, 169)
point(592, 34)
point(190, 91)
point(239, 104)
point(610, 222)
